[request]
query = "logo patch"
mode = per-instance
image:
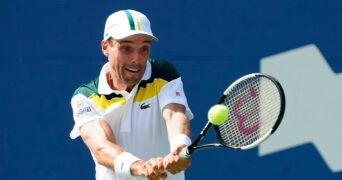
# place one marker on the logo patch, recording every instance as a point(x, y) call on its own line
point(144, 106)
point(84, 110)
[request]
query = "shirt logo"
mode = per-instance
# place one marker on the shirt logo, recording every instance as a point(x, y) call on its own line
point(84, 110)
point(144, 106)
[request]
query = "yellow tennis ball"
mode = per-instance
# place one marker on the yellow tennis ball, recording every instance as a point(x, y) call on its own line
point(218, 114)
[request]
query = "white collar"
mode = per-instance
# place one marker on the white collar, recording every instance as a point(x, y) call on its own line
point(104, 87)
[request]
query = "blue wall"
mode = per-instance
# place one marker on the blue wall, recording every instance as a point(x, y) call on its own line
point(48, 48)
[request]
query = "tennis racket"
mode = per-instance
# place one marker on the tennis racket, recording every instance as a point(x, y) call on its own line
point(256, 105)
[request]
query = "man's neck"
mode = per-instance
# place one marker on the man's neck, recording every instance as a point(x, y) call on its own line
point(116, 85)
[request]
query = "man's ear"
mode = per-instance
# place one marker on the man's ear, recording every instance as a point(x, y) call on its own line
point(104, 47)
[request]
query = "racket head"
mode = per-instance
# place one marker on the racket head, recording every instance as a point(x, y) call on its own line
point(256, 104)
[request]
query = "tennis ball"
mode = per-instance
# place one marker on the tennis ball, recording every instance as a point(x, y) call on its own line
point(218, 114)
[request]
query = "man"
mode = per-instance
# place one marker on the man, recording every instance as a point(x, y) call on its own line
point(134, 117)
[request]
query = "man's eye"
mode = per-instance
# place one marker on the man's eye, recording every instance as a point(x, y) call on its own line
point(126, 49)
point(145, 49)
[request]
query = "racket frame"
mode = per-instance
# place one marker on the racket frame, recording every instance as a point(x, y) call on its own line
point(186, 152)
point(278, 121)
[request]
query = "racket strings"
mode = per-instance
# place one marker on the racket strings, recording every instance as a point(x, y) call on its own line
point(254, 106)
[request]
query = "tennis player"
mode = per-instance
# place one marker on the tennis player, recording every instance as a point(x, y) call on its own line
point(134, 117)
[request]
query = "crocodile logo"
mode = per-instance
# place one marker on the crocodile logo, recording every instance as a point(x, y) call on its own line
point(144, 106)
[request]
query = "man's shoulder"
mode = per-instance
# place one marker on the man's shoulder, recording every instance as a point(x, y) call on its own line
point(88, 89)
point(163, 69)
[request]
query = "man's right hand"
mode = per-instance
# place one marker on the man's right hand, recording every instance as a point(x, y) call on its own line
point(153, 169)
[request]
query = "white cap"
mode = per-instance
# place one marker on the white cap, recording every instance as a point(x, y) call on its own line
point(124, 23)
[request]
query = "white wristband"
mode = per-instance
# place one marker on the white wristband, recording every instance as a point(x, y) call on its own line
point(123, 162)
point(178, 140)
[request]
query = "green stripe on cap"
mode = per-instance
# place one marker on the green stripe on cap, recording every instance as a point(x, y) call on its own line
point(130, 19)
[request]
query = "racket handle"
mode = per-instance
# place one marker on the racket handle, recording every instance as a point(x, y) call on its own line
point(184, 153)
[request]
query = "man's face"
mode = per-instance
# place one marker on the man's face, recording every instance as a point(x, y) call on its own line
point(127, 58)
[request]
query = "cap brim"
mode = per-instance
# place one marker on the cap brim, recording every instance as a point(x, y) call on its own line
point(128, 34)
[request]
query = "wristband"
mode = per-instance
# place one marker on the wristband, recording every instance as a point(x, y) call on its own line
point(179, 139)
point(123, 162)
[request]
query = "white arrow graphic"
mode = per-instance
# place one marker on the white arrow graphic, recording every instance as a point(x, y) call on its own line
point(313, 104)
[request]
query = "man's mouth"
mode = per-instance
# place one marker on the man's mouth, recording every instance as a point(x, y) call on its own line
point(133, 70)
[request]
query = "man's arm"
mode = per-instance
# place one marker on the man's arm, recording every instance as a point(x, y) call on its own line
point(99, 138)
point(176, 120)
point(177, 126)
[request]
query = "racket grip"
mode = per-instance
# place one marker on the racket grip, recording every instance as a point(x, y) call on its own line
point(184, 153)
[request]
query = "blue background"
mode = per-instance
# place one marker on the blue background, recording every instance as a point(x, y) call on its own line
point(48, 48)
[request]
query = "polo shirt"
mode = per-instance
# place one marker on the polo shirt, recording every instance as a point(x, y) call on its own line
point(135, 117)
